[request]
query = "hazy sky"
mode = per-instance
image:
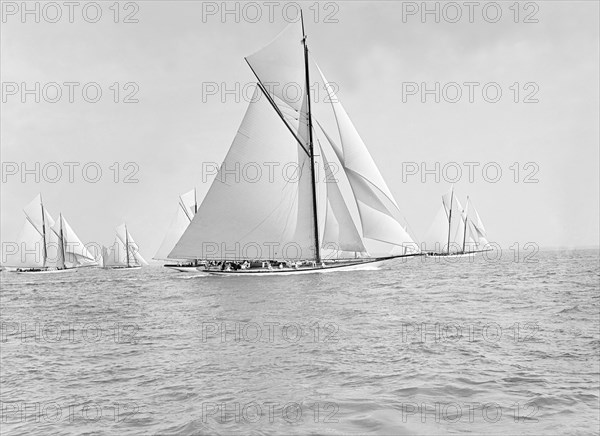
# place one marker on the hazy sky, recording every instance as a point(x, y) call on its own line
point(370, 53)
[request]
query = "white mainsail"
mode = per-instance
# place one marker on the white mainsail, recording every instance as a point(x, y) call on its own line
point(42, 221)
point(29, 252)
point(134, 257)
point(115, 255)
point(457, 228)
point(37, 214)
point(241, 219)
point(109, 259)
point(186, 209)
point(445, 235)
point(282, 215)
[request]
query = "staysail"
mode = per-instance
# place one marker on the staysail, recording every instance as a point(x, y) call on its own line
point(476, 232)
point(379, 212)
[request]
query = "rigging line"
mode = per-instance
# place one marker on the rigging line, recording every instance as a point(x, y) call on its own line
point(34, 226)
point(181, 204)
point(445, 208)
point(270, 99)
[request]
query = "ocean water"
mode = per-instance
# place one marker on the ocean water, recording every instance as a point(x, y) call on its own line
point(422, 346)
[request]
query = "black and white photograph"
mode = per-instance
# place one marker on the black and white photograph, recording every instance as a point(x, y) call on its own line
point(300, 217)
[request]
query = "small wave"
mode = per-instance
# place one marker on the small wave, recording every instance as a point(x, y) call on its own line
point(570, 309)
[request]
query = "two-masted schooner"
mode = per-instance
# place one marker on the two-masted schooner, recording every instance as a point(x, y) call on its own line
point(124, 253)
point(186, 210)
point(456, 231)
point(48, 246)
point(319, 202)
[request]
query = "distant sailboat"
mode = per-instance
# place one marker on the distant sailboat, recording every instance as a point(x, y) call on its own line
point(455, 230)
point(186, 209)
point(48, 246)
point(314, 220)
point(124, 253)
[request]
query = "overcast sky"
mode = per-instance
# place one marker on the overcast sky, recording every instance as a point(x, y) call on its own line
point(370, 53)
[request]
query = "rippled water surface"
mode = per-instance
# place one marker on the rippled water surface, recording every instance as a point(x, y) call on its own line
point(424, 346)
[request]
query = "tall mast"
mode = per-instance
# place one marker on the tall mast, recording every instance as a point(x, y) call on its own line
point(450, 217)
point(195, 202)
point(62, 240)
point(466, 218)
point(311, 146)
point(127, 244)
point(195, 212)
point(45, 253)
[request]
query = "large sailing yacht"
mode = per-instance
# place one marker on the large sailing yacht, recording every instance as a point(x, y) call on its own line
point(186, 210)
point(124, 253)
point(456, 231)
point(324, 207)
point(48, 246)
